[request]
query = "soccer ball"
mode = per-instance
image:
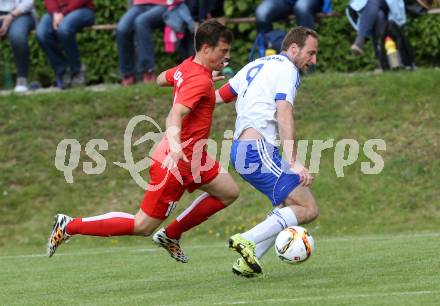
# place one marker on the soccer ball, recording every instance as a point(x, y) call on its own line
point(294, 245)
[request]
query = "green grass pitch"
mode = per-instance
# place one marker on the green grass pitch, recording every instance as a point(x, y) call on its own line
point(377, 238)
point(398, 269)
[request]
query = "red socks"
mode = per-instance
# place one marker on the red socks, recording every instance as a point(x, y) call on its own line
point(119, 224)
point(199, 211)
point(110, 224)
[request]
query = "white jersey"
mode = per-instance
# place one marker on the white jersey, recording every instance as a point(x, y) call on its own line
point(258, 86)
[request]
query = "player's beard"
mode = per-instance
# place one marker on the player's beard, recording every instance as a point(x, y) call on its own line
point(305, 69)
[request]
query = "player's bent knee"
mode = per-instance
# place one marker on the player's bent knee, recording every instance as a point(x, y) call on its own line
point(231, 196)
point(142, 229)
point(303, 197)
point(145, 225)
point(235, 193)
point(313, 211)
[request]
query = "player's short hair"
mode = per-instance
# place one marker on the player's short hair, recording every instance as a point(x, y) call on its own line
point(211, 32)
point(298, 36)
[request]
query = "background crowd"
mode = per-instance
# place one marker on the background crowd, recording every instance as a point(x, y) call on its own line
point(57, 28)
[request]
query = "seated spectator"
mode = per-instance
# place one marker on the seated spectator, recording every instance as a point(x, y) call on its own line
point(56, 34)
point(16, 22)
point(372, 17)
point(179, 30)
point(202, 10)
point(304, 10)
point(135, 31)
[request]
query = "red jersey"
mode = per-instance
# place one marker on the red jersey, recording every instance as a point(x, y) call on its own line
point(66, 6)
point(194, 88)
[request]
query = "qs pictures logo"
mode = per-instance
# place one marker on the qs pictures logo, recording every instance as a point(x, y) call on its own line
point(345, 154)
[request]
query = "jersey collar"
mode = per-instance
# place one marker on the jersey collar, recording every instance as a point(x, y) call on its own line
point(285, 55)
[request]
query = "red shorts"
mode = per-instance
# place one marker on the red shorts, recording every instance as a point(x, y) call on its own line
point(164, 189)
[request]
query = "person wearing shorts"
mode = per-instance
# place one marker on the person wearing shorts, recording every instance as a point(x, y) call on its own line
point(180, 161)
point(265, 91)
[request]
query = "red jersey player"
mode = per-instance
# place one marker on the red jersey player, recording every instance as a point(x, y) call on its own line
point(180, 162)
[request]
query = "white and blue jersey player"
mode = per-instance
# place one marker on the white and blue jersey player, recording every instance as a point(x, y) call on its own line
point(265, 91)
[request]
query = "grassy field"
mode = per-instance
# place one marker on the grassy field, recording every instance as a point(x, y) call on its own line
point(377, 237)
point(401, 108)
point(346, 270)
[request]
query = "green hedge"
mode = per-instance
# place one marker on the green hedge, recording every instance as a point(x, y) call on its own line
point(99, 54)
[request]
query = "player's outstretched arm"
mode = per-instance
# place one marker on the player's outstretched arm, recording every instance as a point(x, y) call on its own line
point(286, 128)
point(225, 94)
point(216, 76)
point(218, 98)
point(172, 133)
point(161, 79)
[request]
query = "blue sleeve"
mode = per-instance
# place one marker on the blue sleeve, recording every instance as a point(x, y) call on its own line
point(185, 13)
point(327, 6)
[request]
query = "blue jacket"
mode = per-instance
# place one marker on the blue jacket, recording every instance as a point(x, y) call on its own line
point(178, 17)
point(396, 13)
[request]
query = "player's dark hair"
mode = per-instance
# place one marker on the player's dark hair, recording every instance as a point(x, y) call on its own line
point(298, 36)
point(211, 32)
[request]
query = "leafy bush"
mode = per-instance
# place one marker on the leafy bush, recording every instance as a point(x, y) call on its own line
point(99, 53)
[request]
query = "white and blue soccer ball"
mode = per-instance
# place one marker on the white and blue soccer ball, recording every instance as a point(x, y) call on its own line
point(294, 245)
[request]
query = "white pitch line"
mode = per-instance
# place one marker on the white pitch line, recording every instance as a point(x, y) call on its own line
point(107, 251)
point(334, 297)
point(97, 252)
point(379, 237)
point(117, 249)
